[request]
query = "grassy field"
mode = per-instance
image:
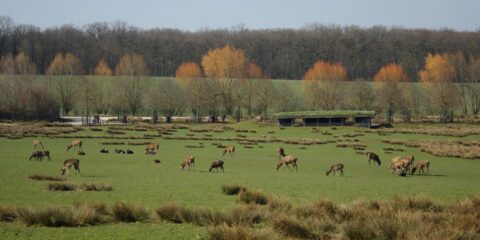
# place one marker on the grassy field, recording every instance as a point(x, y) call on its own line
point(136, 179)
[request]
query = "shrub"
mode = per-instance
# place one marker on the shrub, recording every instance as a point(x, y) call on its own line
point(94, 187)
point(233, 189)
point(256, 197)
point(60, 217)
point(124, 212)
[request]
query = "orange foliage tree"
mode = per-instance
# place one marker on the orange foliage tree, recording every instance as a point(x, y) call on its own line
point(391, 93)
point(254, 71)
point(19, 64)
point(322, 84)
point(67, 64)
point(438, 76)
point(188, 70)
point(225, 64)
point(131, 65)
point(102, 69)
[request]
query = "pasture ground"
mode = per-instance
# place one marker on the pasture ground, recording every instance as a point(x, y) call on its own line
point(136, 179)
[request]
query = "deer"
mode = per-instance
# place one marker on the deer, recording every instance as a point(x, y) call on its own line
point(421, 165)
point(373, 157)
point(404, 161)
point(281, 152)
point(38, 155)
point(287, 160)
point(216, 165)
point(229, 149)
point(152, 148)
point(75, 143)
point(67, 164)
point(334, 168)
point(189, 161)
point(37, 144)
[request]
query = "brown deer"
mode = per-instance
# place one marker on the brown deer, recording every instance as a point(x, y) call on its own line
point(216, 165)
point(229, 149)
point(405, 161)
point(189, 161)
point(281, 152)
point(37, 144)
point(38, 155)
point(421, 165)
point(152, 148)
point(287, 160)
point(373, 157)
point(334, 168)
point(67, 164)
point(75, 143)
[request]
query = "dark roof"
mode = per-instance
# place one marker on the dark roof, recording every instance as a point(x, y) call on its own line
point(325, 114)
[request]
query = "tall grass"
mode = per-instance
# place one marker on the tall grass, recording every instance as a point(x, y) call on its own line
point(233, 189)
point(76, 187)
point(255, 197)
point(124, 212)
point(46, 178)
point(7, 213)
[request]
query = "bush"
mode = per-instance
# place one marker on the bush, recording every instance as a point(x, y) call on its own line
point(293, 227)
point(256, 197)
point(124, 212)
point(60, 217)
point(233, 189)
point(95, 187)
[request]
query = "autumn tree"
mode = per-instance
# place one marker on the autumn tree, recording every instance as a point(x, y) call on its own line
point(323, 84)
point(254, 71)
point(391, 93)
point(131, 88)
point(102, 69)
point(438, 76)
point(67, 64)
point(225, 65)
point(188, 70)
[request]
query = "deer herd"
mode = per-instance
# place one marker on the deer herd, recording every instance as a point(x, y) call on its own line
point(400, 165)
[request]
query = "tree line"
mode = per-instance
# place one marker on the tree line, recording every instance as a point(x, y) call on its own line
point(281, 53)
point(226, 82)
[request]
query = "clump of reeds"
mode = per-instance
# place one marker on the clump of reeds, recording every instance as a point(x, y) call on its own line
point(46, 178)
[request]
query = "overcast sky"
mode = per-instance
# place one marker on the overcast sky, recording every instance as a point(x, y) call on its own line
point(254, 14)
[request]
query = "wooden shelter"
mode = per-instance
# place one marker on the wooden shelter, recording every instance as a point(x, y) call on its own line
point(326, 118)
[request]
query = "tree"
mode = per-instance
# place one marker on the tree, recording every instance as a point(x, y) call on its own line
point(130, 88)
point(363, 95)
point(131, 65)
point(473, 84)
point(225, 64)
point(190, 75)
point(390, 91)
point(254, 72)
point(102, 69)
point(438, 76)
point(67, 64)
point(266, 96)
point(322, 84)
point(168, 98)
point(188, 70)
point(459, 64)
point(286, 99)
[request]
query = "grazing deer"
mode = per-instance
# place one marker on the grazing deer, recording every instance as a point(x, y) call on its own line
point(75, 143)
point(421, 165)
point(287, 160)
point(67, 164)
point(46, 153)
point(405, 161)
point(229, 149)
point(37, 144)
point(281, 152)
point(373, 157)
point(334, 168)
point(189, 161)
point(398, 167)
point(37, 155)
point(216, 165)
point(152, 148)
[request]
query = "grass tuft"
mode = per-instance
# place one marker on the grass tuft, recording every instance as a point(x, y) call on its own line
point(124, 212)
point(8, 213)
point(233, 189)
point(255, 197)
point(224, 232)
point(46, 178)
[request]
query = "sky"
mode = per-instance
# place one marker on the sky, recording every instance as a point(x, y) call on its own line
point(192, 15)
